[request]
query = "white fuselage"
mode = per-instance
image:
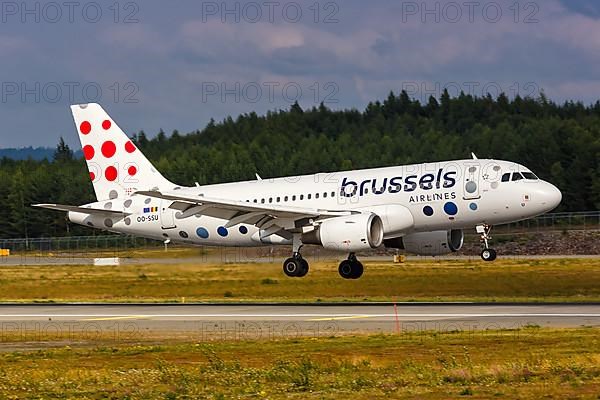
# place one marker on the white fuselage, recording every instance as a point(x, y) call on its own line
point(437, 196)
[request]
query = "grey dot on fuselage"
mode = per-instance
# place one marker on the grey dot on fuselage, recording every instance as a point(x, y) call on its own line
point(147, 201)
point(108, 223)
point(113, 194)
point(127, 221)
point(128, 203)
point(108, 206)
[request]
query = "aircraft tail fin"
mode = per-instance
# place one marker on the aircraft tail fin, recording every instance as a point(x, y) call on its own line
point(117, 167)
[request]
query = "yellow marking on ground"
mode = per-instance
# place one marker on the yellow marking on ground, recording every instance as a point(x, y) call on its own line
point(341, 318)
point(117, 318)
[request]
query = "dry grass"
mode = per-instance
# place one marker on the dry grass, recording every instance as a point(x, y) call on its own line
point(504, 280)
point(526, 364)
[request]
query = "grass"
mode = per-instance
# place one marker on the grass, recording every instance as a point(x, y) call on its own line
point(572, 280)
point(526, 364)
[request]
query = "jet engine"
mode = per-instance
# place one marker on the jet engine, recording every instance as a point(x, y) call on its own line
point(348, 233)
point(429, 243)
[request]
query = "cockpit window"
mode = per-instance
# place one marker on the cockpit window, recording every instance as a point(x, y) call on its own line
point(530, 175)
point(517, 176)
point(506, 177)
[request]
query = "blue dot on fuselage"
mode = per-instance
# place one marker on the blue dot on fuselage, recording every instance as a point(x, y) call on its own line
point(473, 206)
point(222, 231)
point(243, 230)
point(202, 233)
point(427, 210)
point(450, 208)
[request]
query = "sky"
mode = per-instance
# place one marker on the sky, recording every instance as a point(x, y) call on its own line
point(176, 64)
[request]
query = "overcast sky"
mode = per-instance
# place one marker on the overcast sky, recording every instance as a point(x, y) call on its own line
point(176, 64)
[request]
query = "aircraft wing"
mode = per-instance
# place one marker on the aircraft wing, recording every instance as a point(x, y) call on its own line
point(82, 210)
point(264, 216)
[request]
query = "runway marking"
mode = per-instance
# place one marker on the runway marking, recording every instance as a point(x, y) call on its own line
point(117, 318)
point(436, 315)
point(340, 318)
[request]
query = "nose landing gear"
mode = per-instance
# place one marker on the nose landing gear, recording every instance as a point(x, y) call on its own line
point(351, 268)
point(487, 254)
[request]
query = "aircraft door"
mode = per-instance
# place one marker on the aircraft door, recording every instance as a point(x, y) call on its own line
point(471, 182)
point(167, 215)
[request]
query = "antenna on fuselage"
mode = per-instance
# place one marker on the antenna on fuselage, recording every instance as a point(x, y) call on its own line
point(474, 156)
point(258, 178)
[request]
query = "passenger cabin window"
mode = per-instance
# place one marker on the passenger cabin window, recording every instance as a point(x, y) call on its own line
point(309, 196)
point(325, 195)
point(294, 198)
point(530, 176)
point(301, 197)
point(316, 195)
point(517, 176)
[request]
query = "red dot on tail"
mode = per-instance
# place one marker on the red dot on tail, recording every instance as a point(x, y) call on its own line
point(106, 125)
point(85, 127)
point(88, 152)
point(109, 149)
point(132, 170)
point(111, 174)
point(92, 176)
point(129, 147)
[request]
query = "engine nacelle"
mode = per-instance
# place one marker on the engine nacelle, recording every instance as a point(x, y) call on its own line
point(349, 233)
point(434, 243)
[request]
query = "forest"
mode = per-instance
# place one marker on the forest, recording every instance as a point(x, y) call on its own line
point(559, 142)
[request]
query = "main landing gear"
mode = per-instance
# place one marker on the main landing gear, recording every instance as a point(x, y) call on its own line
point(295, 266)
point(351, 268)
point(487, 254)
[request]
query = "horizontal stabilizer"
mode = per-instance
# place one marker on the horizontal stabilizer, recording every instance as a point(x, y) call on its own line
point(82, 210)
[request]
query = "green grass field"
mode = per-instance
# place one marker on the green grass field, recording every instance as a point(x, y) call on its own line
point(526, 364)
point(572, 280)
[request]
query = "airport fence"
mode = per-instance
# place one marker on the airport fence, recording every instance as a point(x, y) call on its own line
point(110, 245)
point(565, 221)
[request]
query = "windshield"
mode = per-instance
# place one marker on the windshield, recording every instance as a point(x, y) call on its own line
point(517, 176)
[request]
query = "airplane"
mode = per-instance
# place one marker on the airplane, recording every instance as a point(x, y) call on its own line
point(422, 208)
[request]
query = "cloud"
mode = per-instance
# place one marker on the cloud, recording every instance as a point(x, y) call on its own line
point(372, 49)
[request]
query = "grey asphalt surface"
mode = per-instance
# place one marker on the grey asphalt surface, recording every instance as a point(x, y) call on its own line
point(264, 321)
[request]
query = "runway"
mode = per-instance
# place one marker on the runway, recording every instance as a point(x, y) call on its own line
point(260, 321)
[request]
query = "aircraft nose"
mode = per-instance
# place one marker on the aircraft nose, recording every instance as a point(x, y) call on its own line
point(551, 197)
